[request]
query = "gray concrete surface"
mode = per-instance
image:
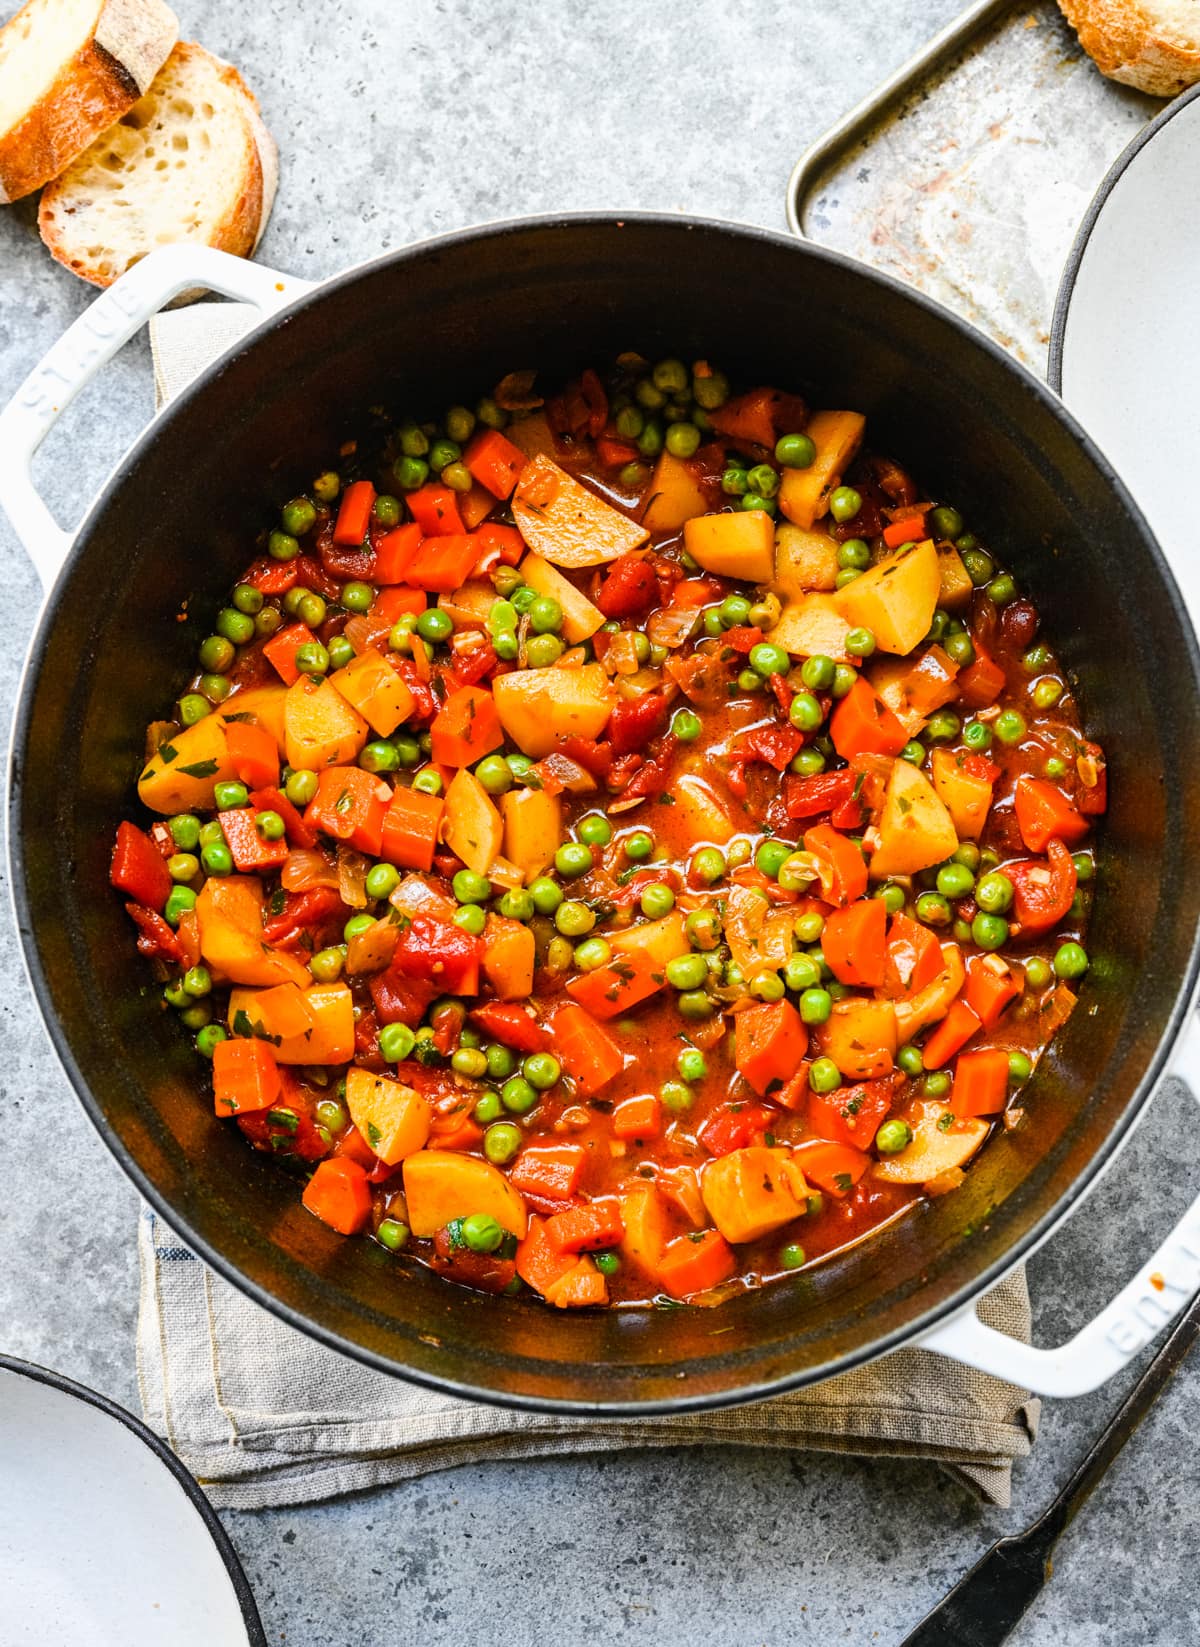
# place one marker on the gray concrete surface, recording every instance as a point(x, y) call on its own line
point(396, 120)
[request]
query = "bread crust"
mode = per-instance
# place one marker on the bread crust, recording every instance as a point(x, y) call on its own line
point(1147, 44)
point(98, 83)
point(240, 225)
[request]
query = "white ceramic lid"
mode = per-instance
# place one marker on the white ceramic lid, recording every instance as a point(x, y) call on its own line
point(104, 1537)
point(1125, 348)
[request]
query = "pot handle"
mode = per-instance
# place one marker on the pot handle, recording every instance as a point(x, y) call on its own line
point(89, 343)
point(1164, 1285)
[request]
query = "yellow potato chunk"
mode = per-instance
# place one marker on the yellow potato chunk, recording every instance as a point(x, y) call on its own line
point(751, 1192)
point(915, 829)
point(804, 493)
point(580, 618)
point(509, 952)
point(896, 598)
point(181, 776)
point(565, 523)
point(320, 727)
point(699, 813)
point(954, 579)
point(804, 561)
point(966, 797)
point(265, 703)
point(471, 827)
point(660, 941)
point(932, 1152)
point(813, 624)
point(393, 1119)
point(537, 706)
point(674, 496)
point(370, 684)
point(470, 605)
point(532, 829)
point(860, 1037)
point(313, 1026)
point(440, 1185)
point(229, 914)
point(740, 545)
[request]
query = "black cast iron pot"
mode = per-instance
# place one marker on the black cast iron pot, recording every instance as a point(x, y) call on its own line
point(431, 326)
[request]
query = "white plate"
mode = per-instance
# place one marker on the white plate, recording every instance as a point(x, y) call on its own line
point(1125, 346)
point(105, 1539)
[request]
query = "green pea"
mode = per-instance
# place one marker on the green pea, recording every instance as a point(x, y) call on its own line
point(434, 624)
point(501, 1142)
point(1002, 589)
point(994, 893)
point(639, 846)
point(518, 1095)
point(750, 680)
point(410, 473)
point(1010, 726)
point(989, 931)
point(691, 1064)
point(846, 577)
point(501, 1062)
point(738, 852)
point(481, 1232)
point(608, 1263)
point(340, 652)
point(909, 1059)
point(763, 480)
point(230, 794)
point(594, 830)
point(805, 713)
point(382, 880)
point(217, 859)
point(547, 895)
point(196, 1014)
point(489, 1107)
point(795, 452)
point(791, 1256)
point(541, 1070)
point(217, 653)
point(844, 503)
point(356, 925)
point(491, 415)
point(630, 420)
point(380, 756)
point(815, 1006)
point(327, 486)
point(543, 650)
point(282, 546)
point(657, 900)
point(960, 649)
point(442, 453)
point(545, 615)
point(893, 898)
point(683, 440)
point(710, 389)
point(694, 1004)
point(945, 523)
point(211, 832)
point(801, 972)
point(766, 659)
point(592, 953)
point(573, 859)
point(809, 926)
point(755, 500)
point(327, 964)
point(1020, 1068)
point(771, 857)
point(933, 909)
point(795, 873)
point(1047, 692)
point(312, 658)
point(676, 1097)
point(686, 726)
point(687, 971)
point(650, 442)
point(1055, 767)
point(574, 919)
point(183, 866)
point(428, 782)
point(977, 736)
point(396, 1041)
point(185, 830)
point(943, 727)
point(936, 1084)
point(179, 900)
point(193, 708)
point(301, 787)
point(859, 643)
point(1070, 960)
point(824, 1075)
point(854, 555)
point(767, 986)
point(471, 888)
point(954, 880)
point(703, 929)
point(892, 1137)
point(393, 1234)
point(517, 905)
point(808, 762)
point(460, 426)
point(210, 1037)
point(734, 483)
point(248, 599)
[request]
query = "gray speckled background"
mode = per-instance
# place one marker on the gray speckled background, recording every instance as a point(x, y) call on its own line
point(396, 119)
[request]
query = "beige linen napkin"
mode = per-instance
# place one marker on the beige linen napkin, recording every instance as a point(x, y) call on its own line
point(262, 1415)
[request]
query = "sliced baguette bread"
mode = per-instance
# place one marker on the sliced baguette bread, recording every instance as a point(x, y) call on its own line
point(68, 69)
point(1151, 44)
point(192, 160)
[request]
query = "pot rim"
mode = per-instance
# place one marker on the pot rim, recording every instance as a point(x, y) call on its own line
point(924, 1319)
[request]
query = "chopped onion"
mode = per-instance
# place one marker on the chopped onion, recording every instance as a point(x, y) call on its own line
point(305, 868)
point(372, 950)
point(514, 393)
point(352, 869)
point(364, 631)
point(559, 772)
point(673, 626)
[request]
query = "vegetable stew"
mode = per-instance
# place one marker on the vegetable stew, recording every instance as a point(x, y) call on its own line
point(624, 845)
